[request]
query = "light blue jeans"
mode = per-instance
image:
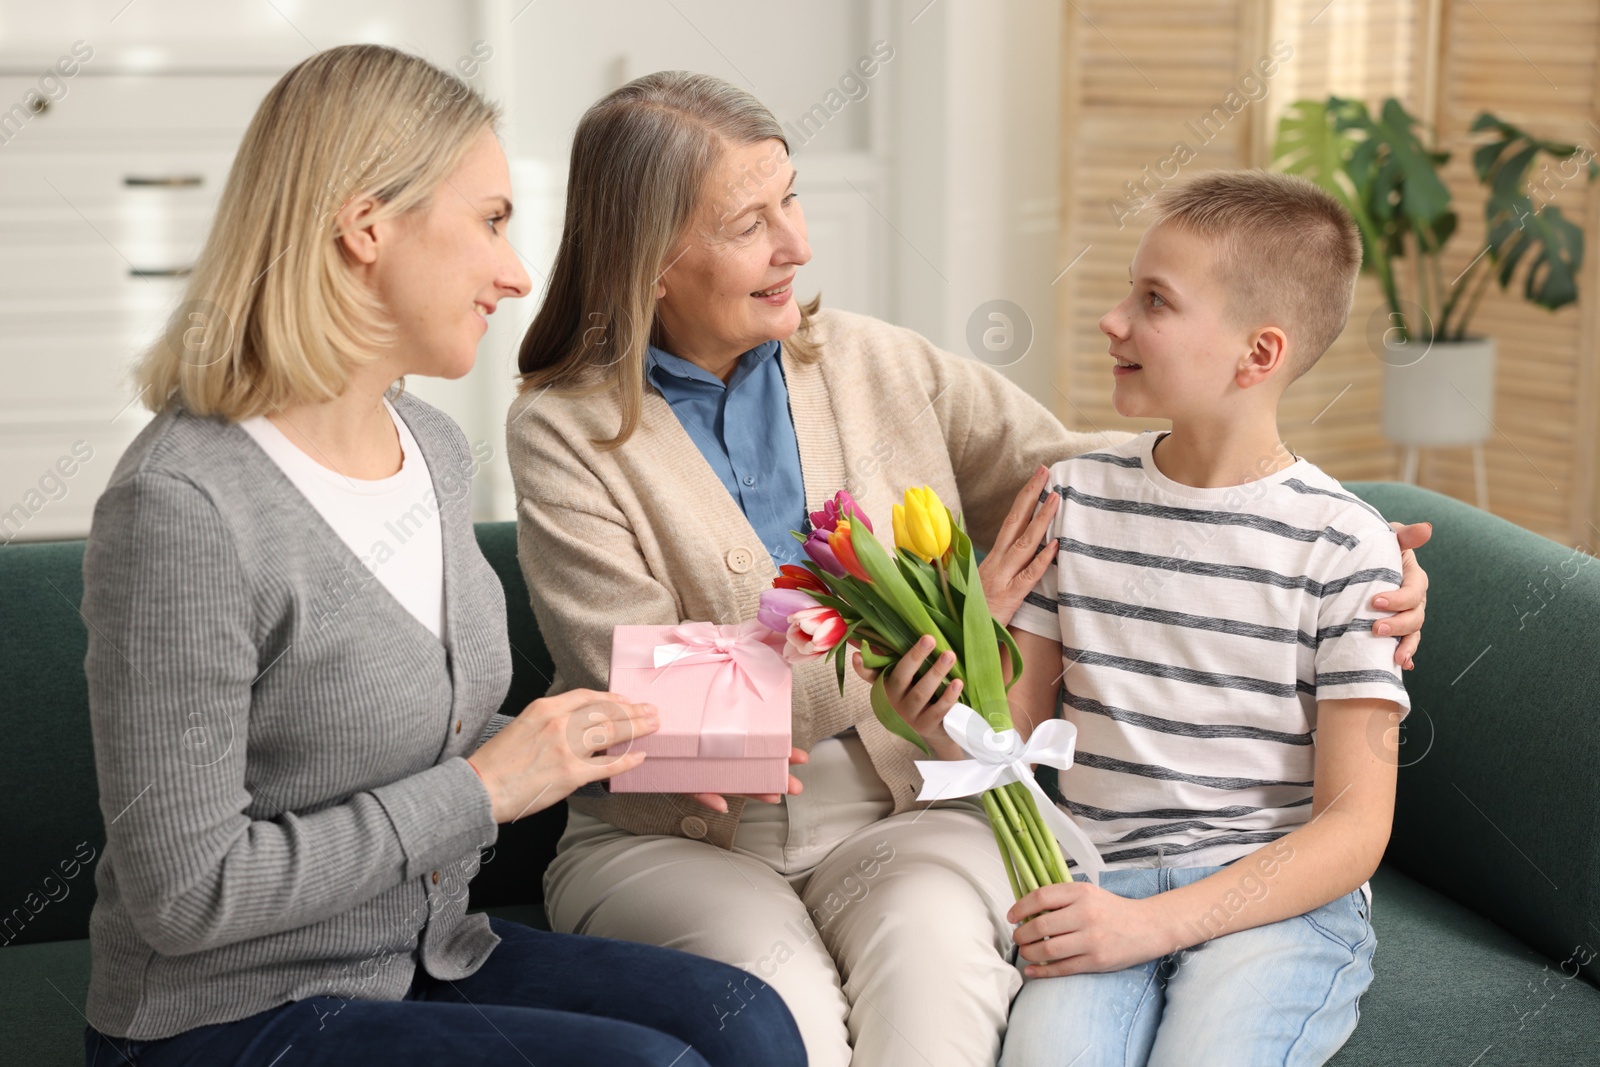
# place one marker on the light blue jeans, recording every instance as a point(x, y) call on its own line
point(1282, 994)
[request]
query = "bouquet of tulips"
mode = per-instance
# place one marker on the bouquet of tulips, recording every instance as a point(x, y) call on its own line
point(853, 593)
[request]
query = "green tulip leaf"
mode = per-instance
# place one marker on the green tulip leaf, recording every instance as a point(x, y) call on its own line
point(920, 575)
point(873, 660)
point(891, 587)
point(985, 690)
point(1016, 653)
point(891, 719)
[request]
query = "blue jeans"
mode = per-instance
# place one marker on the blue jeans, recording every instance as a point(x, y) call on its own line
point(1284, 993)
point(550, 999)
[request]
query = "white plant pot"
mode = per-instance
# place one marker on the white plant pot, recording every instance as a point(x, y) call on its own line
point(1442, 398)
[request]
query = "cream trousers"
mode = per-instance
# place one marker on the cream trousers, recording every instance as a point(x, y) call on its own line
point(885, 935)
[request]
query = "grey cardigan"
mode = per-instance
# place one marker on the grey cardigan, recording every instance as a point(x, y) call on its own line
point(279, 743)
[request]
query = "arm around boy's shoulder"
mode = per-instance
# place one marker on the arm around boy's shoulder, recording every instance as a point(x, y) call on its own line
point(1352, 660)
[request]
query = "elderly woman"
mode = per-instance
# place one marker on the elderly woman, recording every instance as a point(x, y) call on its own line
point(680, 414)
point(297, 651)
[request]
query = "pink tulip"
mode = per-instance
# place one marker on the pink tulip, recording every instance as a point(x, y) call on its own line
point(843, 505)
point(778, 605)
point(812, 633)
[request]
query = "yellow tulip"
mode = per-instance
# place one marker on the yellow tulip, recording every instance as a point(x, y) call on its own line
point(901, 538)
point(922, 524)
point(938, 517)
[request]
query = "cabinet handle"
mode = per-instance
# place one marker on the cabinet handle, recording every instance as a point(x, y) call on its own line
point(159, 272)
point(171, 181)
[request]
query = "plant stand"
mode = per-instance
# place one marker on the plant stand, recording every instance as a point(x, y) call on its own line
point(1411, 461)
point(1440, 398)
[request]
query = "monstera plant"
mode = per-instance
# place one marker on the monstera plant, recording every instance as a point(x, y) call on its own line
point(1380, 168)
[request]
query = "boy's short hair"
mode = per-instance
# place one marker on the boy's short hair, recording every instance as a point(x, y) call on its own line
point(1288, 252)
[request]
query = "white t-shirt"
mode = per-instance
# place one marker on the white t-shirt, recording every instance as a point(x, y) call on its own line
point(390, 524)
point(1199, 628)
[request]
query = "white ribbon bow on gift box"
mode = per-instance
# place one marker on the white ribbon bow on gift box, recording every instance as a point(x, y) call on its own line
point(1000, 757)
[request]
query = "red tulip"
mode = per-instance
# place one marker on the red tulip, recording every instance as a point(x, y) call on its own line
point(793, 577)
point(812, 633)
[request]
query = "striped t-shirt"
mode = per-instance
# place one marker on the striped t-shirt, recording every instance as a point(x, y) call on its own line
point(1199, 628)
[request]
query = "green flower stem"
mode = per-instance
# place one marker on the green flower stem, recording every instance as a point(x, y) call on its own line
point(1031, 826)
point(1055, 851)
point(944, 584)
point(993, 811)
point(1002, 829)
point(1047, 840)
point(1036, 866)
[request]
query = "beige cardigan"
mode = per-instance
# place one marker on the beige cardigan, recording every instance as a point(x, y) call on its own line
point(646, 533)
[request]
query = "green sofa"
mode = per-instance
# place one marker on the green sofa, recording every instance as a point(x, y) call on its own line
point(1487, 907)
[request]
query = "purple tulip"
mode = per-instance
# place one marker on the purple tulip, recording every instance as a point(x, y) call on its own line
point(778, 604)
point(816, 546)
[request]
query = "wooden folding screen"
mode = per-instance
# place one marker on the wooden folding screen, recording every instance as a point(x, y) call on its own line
point(1156, 91)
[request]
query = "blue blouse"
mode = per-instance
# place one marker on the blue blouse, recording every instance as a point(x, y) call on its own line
point(745, 432)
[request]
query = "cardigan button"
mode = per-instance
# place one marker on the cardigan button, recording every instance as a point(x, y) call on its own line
point(693, 826)
point(458, 726)
point(740, 560)
point(435, 877)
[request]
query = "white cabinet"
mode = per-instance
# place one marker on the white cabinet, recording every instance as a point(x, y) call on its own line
point(105, 199)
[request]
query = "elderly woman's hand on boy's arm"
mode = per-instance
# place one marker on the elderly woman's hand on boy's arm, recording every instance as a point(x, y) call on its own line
point(1016, 564)
point(1411, 599)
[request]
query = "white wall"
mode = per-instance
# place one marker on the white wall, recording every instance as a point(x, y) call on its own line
point(975, 150)
point(165, 90)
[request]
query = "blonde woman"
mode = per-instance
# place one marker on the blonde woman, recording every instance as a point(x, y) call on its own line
point(297, 650)
point(680, 414)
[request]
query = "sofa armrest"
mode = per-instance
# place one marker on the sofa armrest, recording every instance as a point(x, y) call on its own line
point(1499, 793)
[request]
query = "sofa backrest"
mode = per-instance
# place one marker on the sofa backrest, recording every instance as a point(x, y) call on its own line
point(51, 828)
point(1499, 804)
point(52, 833)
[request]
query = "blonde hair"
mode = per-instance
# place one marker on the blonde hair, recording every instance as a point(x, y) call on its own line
point(272, 315)
point(1288, 252)
point(642, 158)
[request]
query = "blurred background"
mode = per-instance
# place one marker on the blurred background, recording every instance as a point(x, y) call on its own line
point(983, 187)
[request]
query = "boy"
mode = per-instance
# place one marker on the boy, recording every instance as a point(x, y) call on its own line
point(1235, 762)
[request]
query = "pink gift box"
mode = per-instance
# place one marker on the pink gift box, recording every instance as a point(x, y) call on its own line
point(724, 693)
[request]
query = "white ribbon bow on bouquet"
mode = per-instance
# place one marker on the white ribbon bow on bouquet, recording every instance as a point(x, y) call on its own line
point(1000, 757)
